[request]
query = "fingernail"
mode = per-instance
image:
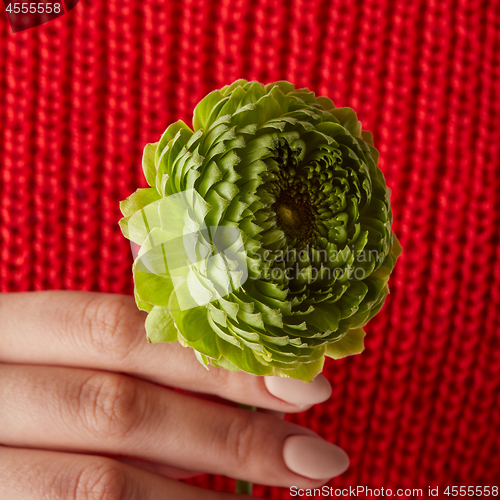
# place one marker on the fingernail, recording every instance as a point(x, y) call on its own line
point(297, 392)
point(314, 458)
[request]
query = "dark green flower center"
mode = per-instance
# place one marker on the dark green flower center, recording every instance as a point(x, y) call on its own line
point(294, 216)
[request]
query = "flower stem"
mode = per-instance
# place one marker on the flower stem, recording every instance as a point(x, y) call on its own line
point(244, 487)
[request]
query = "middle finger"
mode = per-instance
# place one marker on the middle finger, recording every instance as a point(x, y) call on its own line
point(107, 413)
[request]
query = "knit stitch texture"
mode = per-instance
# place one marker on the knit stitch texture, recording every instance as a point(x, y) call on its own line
point(81, 95)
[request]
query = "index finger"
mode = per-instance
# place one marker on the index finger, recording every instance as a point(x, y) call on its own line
point(104, 331)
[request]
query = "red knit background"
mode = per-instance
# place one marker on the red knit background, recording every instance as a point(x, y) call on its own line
point(81, 96)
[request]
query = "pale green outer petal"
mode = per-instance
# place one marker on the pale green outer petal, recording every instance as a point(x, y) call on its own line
point(352, 343)
point(138, 200)
point(148, 163)
point(160, 326)
point(306, 372)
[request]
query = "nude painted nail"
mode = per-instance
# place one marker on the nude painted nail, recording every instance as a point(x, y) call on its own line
point(314, 458)
point(297, 392)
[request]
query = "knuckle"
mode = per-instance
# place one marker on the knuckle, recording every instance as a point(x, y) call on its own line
point(110, 325)
point(92, 478)
point(241, 437)
point(111, 405)
point(14, 471)
point(102, 480)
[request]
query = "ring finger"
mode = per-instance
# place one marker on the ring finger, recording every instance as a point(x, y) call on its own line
point(32, 475)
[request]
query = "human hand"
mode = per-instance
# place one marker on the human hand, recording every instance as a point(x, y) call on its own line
point(84, 411)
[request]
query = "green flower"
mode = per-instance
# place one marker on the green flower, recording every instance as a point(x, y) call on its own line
point(265, 237)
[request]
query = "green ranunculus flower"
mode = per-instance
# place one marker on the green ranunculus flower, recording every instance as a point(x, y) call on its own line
point(265, 237)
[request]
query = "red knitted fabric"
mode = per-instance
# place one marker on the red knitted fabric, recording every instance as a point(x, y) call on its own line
point(82, 95)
